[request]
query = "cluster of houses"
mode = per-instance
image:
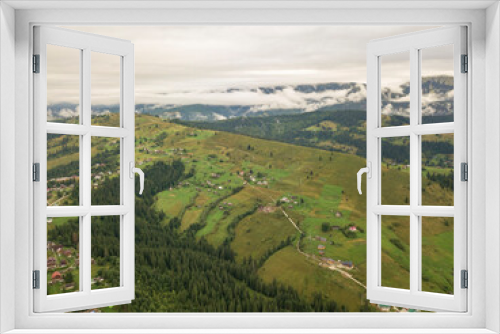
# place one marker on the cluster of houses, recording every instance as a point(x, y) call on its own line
point(146, 150)
point(61, 181)
point(263, 181)
point(225, 205)
point(65, 178)
point(60, 259)
point(99, 176)
point(337, 263)
point(291, 201)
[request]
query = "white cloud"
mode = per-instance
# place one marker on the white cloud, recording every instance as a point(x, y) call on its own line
point(175, 58)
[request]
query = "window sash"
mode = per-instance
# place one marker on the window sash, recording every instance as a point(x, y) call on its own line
point(413, 297)
point(86, 297)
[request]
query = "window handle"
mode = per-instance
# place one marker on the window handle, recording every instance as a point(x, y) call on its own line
point(368, 171)
point(139, 171)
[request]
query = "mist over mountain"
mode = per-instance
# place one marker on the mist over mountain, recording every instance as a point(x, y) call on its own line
point(221, 104)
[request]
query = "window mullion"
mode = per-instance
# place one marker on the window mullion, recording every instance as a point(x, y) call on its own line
point(85, 181)
point(414, 170)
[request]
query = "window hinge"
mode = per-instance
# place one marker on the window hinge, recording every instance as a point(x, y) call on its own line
point(36, 172)
point(465, 64)
point(36, 63)
point(464, 171)
point(36, 279)
point(465, 279)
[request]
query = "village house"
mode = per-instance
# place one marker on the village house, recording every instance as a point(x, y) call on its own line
point(51, 262)
point(56, 277)
point(285, 200)
point(353, 228)
point(347, 264)
point(321, 247)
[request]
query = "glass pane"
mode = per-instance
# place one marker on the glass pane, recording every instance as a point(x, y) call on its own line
point(63, 170)
point(395, 171)
point(63, 84)
point(437, 169)
point(437, 254)
point(105, 171)
point(395, 89)
point(437, 84)
point(105, 251)
point(105, 89)
point(63, 240)
point(396, 252)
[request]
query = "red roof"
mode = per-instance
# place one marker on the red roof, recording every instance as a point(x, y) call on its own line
point(56, 275)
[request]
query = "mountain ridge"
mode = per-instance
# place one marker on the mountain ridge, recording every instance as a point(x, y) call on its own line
point(437, 100)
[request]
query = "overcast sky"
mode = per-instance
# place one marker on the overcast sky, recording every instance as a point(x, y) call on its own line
point(172, 60)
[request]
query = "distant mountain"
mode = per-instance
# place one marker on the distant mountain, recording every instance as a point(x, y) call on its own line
point(223, 104)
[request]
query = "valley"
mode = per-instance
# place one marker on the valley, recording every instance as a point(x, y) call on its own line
point(266, 207)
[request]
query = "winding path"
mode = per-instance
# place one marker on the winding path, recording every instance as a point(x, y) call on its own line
point(344, 273)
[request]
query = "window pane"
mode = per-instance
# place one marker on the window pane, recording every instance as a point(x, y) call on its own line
point(395, 89)
point(63, 240)
point(63, 170)
point(437, 84)
point(105, 171)
point(105, 89)
point(395, 171)
point(63, 84)
point(437, 254)
point(437, 169)
point(105, 252)
point(396, 252)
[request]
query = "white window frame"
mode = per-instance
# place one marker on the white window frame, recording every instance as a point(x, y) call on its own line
point(413, 44)
point(484, 50)
point(87, 45)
